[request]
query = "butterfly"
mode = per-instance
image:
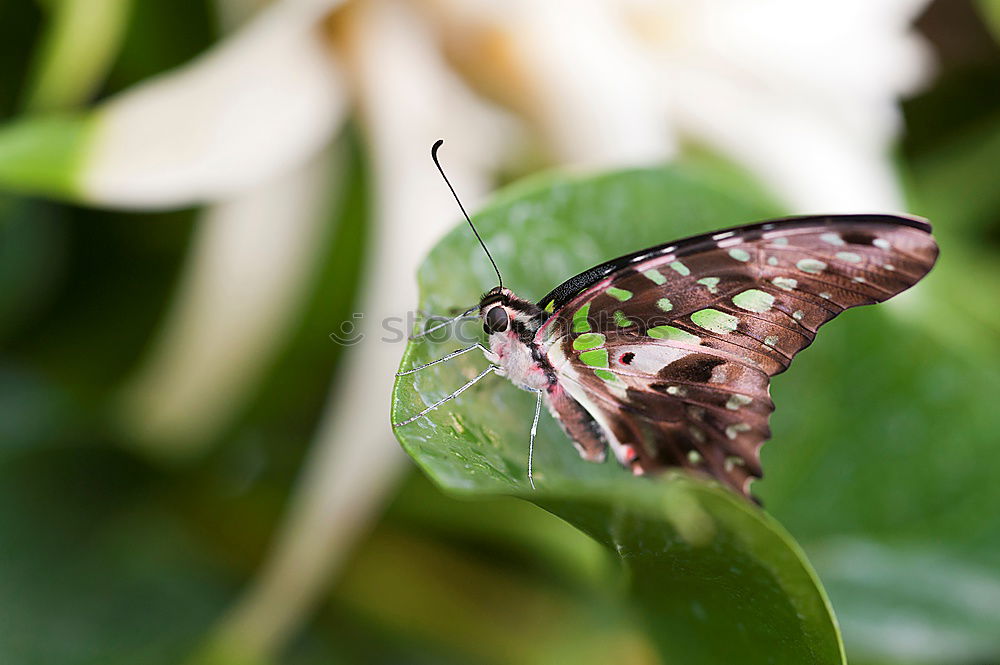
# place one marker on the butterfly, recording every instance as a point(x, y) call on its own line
point(665, 355)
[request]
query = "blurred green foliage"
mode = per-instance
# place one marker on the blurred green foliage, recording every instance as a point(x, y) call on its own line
point(883, 465)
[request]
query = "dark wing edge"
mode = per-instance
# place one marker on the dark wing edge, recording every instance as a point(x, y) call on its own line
point(563, 293)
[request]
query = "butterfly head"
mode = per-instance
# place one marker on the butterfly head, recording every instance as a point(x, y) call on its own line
point(494, 310)
point(503, 313)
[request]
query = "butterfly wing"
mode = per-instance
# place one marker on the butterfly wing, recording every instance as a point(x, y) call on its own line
point(670, 350)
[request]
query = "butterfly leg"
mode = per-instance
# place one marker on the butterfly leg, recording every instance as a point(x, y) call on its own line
point(488, 370)
point(451, 355)
point(466, 315)
point(531, 440)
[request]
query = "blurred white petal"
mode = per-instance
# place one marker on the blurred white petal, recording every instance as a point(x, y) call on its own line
point(257, 105)
point(355, 458)
point(804, 94)
point(597, 107)
point(251, 261)
point(571, 67)
point(808, 160)
point(848, 60)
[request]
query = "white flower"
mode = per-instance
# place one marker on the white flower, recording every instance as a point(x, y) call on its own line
point(246, 112)
point(803, 94)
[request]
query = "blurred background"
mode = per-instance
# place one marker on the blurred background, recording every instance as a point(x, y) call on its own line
point(194, 194)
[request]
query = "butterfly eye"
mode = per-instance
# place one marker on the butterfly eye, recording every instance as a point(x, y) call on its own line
point(496, 321)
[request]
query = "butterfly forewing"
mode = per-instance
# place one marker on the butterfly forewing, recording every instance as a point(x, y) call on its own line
point(670, 350)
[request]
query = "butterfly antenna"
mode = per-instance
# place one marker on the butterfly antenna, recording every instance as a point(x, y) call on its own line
point(434, 156)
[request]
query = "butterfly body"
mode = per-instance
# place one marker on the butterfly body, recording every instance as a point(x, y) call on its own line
point(665, 355)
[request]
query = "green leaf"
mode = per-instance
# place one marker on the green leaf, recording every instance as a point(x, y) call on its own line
point(713, 578)
point(91, 551)
point(43, 154)
point(80, 43)
point(953, 183)
point(950, 616)
point(990, 10)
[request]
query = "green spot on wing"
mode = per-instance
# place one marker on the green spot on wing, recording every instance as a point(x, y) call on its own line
point(710, 283)
point(715, 321)
point(551, 306)
point(739, 254)
point(673, 334)
point(754, 300)
point(595, 358)
point(621, 320)
point(785, 283)
point(589, 340)
point(734, 430)
point(665, 304)
point(736, 401)
point(680, 268)
point(811, 266)
point(605, 375)
point(620, 294)
point(850, 257)
point(580, 322)
point(655, 276)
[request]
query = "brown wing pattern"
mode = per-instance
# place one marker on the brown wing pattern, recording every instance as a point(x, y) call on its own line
point(672, 353)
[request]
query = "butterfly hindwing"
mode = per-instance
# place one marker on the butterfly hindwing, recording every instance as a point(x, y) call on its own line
point(670, 350)
point(669, 403)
